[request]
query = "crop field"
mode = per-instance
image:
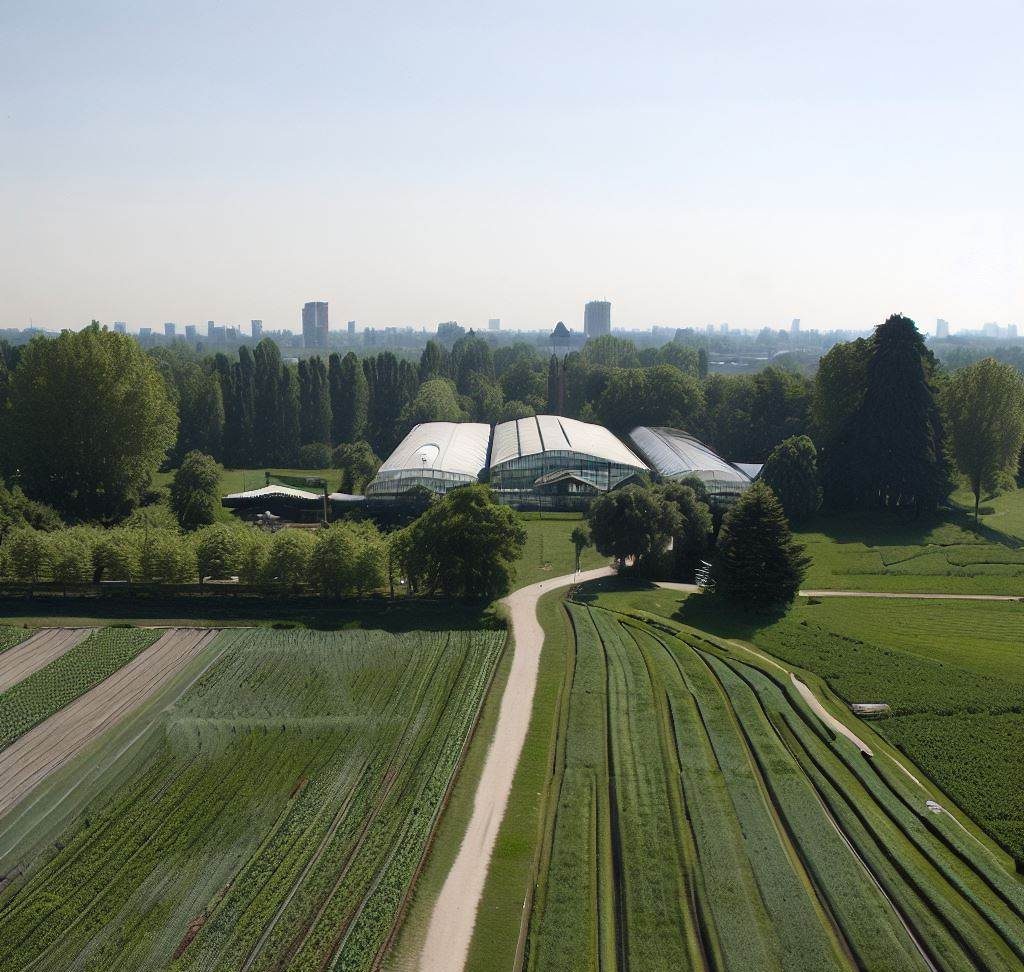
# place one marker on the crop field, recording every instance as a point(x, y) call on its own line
point(39, 695)
point(9, 637)
point(273, 816)
point(700, 814)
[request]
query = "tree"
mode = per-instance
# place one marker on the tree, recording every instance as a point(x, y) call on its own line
point(839, 388)
point(443, 555)
point(348, 558)
point(194, 490)
point(791, 471)
point(580, 542)
point(91, 421)
point(634, 525)
point(26, 554)
point(433, 362)
point(17, 510)
point(71, 553)
point(349, 399)
point(287, 431)
point(898, 432)
point(252, 567)
point(693, 536)
point(471, 356)
point(315, 455)
point(220, 549)
point(314, 402)
point(436, 401)
point(392, 386)
point(166, 557)
point(759, 563)
point(267, 406)
point(288, 558)
point(984, 406)
point(702, 363)
point(200, 413)
point(358, 465)
point(609, 351)
point(116, 554)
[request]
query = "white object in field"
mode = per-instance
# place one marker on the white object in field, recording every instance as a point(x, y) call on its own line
point(933, 806)
point(871, 708)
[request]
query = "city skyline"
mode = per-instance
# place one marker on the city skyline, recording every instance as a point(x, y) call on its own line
point(836, 163)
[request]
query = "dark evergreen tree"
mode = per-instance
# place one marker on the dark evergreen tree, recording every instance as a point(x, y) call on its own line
point(244, 373)
point(702, 363)
point(267, 418)
point(392, 386)
point(792, 472)
point(314, 401)
point(898, 432)
point(758, 562)
point(554, 386)
point(350, 397)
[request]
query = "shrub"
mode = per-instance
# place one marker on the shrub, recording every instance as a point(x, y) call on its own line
point(315, 455)
point(26, 554)
point(288, 558)
point(219, 550)
point(194, 490)
point(166, 558)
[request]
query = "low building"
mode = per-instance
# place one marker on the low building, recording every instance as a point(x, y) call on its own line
point(674, 454)
point(551, 461)
point(434, 455)
point(284, 502)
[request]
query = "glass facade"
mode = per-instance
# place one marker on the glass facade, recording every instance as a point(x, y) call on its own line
point(395, 482)
point(556, 475)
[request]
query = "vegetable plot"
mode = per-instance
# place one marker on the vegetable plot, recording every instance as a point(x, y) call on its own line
point(701, 814)
point(274, 818)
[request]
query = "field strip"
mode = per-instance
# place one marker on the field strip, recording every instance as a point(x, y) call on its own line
point(902, 596)
point(35, 755)
point(451, 923)
point(36, 652)
point(830, 720)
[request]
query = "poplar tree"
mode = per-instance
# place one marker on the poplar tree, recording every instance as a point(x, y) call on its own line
point(350, 397)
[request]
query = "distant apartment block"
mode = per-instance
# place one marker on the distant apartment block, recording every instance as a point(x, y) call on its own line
point(256, 329)
point(120, 327)
point(494, 324)
point(209, 329)
point(314, 324)
point(597, 318)
point(351, 329)
point(794, 328)
point(191, 332)
point(145, 332)
point(170, 330)
point(941, 329)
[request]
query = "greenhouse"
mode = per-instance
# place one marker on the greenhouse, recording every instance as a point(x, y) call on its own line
point(434, 455)
point(551, 461)
point(279, 502)
point(675, 454)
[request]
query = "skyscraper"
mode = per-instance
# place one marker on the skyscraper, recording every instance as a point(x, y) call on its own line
point(120, 327)
point(794, 328)
point(941, 328)
point(191, 332)
point(494, 324)
point(597, 318)
point(351, 330)
point(209, 329)
point(314, 324)
point(170, 329)
point(256, 329)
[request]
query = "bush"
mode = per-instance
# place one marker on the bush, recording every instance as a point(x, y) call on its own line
point(166, 558)
point(288, 558)
point(315, 455)
point(194, 490)
point(26, 554)
point(71, 556)
point(219, 550)
point(116, 554)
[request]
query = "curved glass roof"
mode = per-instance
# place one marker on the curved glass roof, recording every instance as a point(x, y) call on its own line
point(553, 433)
point(448, 447)
point(673, 452)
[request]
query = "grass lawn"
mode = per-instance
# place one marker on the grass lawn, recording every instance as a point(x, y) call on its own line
point(879, 552)
point(549, 551)
point(952, 671)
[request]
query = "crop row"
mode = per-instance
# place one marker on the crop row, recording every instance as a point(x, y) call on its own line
point(278, 820)
point(9, 637)
point(52, 687)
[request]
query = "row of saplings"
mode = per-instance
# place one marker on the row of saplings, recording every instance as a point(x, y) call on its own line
point(666, 530)
point(429, 556)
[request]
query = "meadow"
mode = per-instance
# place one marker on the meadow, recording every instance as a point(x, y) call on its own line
point(698, 813)
point(273, 813)
point(548, 551)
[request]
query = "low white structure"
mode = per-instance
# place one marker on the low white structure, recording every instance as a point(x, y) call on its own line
point(436, 455)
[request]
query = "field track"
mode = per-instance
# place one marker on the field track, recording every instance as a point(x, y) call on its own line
point(37, 651)
point(454, 915)
point(31, 758)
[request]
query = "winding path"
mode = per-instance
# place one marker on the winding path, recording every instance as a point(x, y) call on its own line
point(451, 923)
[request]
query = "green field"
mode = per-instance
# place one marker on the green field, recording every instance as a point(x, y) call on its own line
point(699, 814)
point(549, 551)
point(878, 552)
point(272, 814)
point(52, 687)
point(9, 637)
point(239, 480)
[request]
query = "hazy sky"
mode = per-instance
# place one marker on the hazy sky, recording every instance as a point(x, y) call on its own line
point(423, 161)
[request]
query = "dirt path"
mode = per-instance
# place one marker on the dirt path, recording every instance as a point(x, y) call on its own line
point(451, 923)
point(36, 652)
point(32, 757)
point(903, 596)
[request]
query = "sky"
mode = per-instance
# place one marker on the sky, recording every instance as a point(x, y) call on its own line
point(412, 162)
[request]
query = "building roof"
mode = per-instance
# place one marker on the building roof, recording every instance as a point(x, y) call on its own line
point(451, 447)
point(673, 452)
point(553, 433)
point(274, 490)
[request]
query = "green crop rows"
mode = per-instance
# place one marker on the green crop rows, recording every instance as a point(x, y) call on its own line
point(702, 817)
point(9, 637)
point(48, 690)
point(273, 818)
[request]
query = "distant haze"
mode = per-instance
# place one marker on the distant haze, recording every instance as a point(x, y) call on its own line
point(420, 162)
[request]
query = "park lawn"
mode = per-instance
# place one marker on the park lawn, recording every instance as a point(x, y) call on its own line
point(945, 555)
point(953, 672)
point(549, 551)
